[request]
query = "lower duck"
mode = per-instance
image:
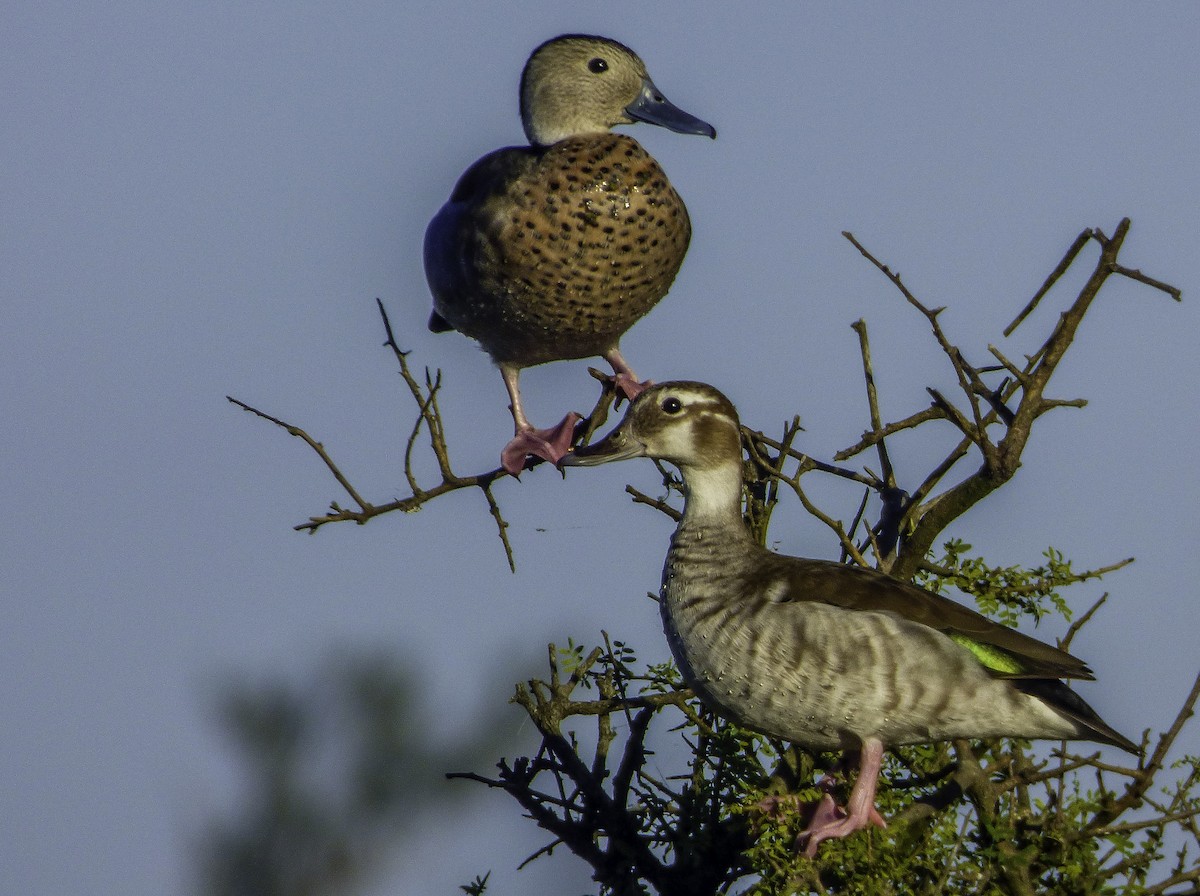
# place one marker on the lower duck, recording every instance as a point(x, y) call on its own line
point(826, 655)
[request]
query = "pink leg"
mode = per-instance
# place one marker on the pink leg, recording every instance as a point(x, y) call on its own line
point(830, 821)
point(624, 378)
point(512, 376)
point(548, 444)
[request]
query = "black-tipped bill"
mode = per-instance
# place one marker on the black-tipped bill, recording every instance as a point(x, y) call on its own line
point(654, 108)
point(615, 446)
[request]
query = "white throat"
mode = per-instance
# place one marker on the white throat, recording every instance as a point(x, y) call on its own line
point(713, 494)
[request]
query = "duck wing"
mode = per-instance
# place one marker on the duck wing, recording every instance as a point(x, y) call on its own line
point(1005, 652)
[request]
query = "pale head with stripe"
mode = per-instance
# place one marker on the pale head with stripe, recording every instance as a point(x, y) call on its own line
point(689, 424)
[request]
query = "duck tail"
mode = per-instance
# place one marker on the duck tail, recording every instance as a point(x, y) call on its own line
point(1062, 699)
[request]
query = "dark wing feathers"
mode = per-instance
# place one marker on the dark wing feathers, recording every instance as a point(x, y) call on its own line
point(856, 588)
point(1064, 700)
point(439, 324)
point(452, 235)
point(494, 173)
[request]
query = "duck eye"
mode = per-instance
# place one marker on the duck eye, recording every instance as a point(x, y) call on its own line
point(672, 405)
point(597, 65)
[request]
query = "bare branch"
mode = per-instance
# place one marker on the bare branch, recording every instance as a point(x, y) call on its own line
point(1065, 641)
point(1075, 248)
point(313, 444)
point(875, 436)
point(969, 429)
point(501, 525)
point(663, 506)
point(424, 393)
point(1136, 789)
point(808, 462)
point(864, 348)
point(999, 466)
point(1173, 291)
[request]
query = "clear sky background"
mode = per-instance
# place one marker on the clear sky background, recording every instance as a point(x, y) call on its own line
point(202, 199)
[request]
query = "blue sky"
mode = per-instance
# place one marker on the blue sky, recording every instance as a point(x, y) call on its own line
point(205, 199)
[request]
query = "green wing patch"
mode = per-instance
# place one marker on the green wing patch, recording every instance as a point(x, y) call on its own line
point(992, 658)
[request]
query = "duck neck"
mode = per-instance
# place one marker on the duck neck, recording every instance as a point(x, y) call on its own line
point(713, 500)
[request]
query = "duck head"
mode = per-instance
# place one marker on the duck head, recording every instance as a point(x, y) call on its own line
point(691, 425)
point(578, 84)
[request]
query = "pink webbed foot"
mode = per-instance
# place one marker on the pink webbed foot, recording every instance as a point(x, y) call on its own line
point(628, 386)
point(624, 380)
point(548, 444)
point(830, 821)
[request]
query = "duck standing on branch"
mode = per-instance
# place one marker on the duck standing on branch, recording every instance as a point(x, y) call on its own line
point(823, 654)
point(552, 251)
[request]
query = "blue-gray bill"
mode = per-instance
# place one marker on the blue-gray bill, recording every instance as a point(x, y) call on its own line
point(654, 108)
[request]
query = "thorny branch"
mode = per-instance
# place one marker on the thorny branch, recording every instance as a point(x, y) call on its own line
point(994, 422)
point(424, 393)
point(1011, 406)
point(614, 813)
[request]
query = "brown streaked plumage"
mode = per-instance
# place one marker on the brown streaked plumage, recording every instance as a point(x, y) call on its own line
point(552, 251)
point(824, 654)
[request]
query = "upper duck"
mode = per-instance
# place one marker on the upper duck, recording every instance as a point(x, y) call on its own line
point(820, 653)
point(553, 250)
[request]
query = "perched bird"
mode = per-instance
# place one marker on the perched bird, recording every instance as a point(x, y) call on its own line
point(552, 251)
point(823, 654)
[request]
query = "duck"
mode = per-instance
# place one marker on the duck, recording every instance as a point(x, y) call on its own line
point(827, 655)
point(553, 250)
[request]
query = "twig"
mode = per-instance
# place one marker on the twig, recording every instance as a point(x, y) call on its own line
point(314, 445)
point(663, 506)
point(1142, 782)
point(808, 462)
point(1065, 641)
point(877, 435)
point(864, 347)
point(1054, 276)
point(1173, 291)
